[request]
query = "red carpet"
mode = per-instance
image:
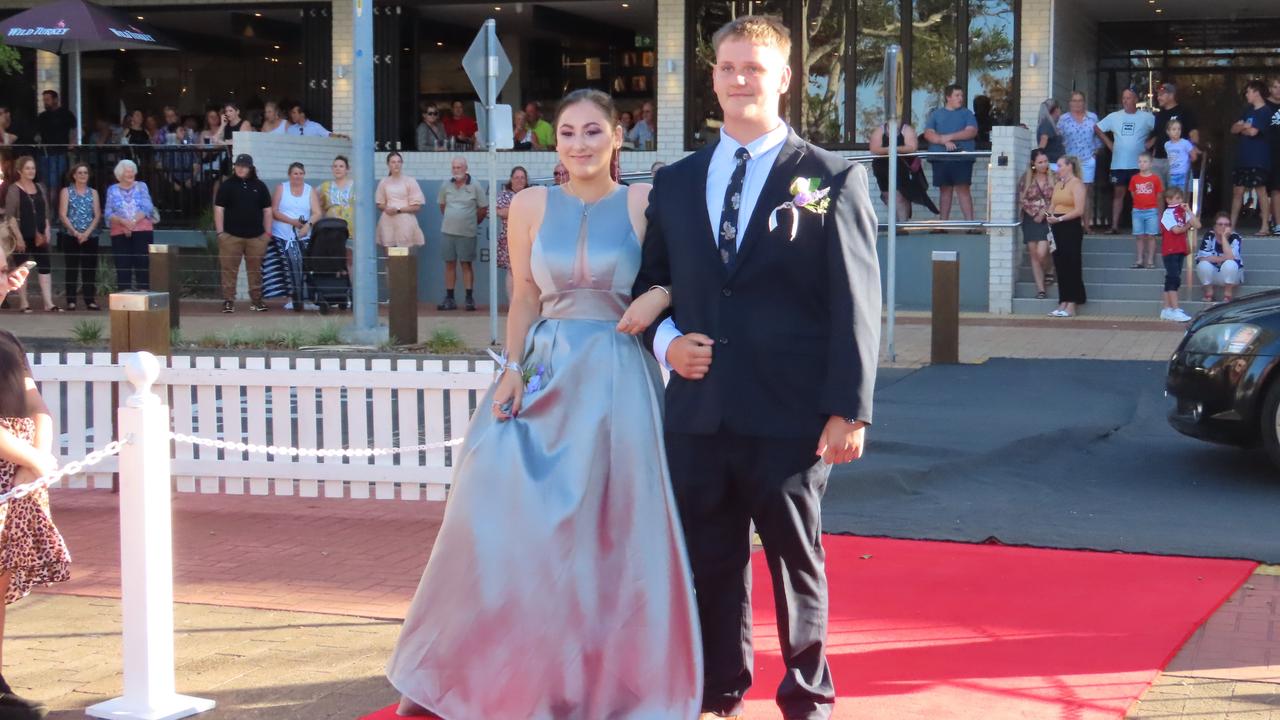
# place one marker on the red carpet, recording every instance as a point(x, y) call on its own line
point(945, 630)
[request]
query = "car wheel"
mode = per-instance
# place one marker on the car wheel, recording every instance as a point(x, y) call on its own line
point(1270, 423)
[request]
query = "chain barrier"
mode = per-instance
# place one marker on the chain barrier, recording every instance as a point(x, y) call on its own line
point(72, 468)
point(113, 448)
point(310, 452)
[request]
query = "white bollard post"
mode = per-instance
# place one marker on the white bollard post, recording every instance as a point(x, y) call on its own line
point(146, 557)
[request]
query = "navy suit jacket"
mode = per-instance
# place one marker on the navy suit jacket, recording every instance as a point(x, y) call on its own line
point(796, 323)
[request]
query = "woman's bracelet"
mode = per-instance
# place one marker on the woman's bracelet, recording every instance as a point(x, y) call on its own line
point(504, 363)
point(662, 288)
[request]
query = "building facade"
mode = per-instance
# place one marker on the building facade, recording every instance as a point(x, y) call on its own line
point(1010, 55)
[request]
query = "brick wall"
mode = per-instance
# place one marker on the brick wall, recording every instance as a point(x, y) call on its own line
point(343, 54)
point(1015, 144)
point(1064, 38)
point(1035, 82)
point(670, 95)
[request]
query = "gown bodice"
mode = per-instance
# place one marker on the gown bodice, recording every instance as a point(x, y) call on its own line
point(585, 257)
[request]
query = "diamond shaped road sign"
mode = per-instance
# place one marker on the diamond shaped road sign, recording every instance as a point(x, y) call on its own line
point(479, 65)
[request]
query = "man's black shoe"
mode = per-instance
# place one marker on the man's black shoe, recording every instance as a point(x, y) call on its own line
point(448, 304)
point(228, 307)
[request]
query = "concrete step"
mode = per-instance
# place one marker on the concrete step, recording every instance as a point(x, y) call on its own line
point(1121, 308)
point(1126, 276)
point(1122, 260)
point(1266, 246)
point(1110, 291)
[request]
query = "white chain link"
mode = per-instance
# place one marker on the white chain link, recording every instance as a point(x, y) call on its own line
point(113, 448)
point(310, 452)
point(71, 468)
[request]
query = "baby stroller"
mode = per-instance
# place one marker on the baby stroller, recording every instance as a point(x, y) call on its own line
point(324, 264)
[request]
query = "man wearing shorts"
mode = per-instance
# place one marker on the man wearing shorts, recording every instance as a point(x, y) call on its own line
point(952, 128)
point(1130, 128)
point(1253, 161)
point(1273, 137)
point(463, 204)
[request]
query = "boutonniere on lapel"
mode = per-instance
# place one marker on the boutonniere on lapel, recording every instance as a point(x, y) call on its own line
point(806, 196)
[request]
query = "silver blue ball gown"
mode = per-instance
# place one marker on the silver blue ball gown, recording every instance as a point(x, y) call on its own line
point(558, 588)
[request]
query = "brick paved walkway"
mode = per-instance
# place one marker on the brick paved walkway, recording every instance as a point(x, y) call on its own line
point(1230, 668)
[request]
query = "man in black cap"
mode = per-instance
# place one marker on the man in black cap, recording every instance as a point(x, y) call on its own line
point(242, 218)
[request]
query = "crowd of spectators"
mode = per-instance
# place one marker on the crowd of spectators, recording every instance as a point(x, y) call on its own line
point(449, 128)
point(1153, 163)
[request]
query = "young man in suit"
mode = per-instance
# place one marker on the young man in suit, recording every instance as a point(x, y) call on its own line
point(767, 245)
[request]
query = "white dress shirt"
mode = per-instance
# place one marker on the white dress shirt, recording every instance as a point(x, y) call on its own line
point(764, 150)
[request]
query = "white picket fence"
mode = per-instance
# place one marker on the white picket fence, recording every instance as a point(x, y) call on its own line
point(328, 403)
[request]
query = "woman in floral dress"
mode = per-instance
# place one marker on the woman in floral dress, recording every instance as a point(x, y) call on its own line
point(519, 180)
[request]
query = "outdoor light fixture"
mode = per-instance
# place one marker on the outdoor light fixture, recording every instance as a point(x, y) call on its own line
point(340, 71)
point(1033, 59)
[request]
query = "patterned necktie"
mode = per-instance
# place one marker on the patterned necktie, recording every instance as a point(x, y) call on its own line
point(728, 240)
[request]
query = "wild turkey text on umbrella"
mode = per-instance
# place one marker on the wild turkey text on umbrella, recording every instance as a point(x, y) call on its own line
point(70, 27)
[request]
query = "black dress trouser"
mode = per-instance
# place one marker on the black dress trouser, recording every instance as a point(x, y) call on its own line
point(723, 482)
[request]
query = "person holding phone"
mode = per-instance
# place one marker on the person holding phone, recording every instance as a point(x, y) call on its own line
point(32, 550)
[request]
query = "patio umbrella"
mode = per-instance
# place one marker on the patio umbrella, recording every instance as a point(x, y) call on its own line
point(70, 27)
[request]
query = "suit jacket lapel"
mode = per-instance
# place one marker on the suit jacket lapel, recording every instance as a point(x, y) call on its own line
point(775, 191)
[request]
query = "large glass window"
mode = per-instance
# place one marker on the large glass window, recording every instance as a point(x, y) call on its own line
point(990, 56)
point(879, 26)
point(933, 55)
point(838, 63)
point(823, 54)
point(554, 47)
point(245, 55)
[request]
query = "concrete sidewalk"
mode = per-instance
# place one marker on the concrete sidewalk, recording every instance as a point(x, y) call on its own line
point(982, 336)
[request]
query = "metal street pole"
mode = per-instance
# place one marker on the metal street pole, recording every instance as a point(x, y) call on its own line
point(491, 139)
point(364, 328)
point(892, 106)
point(490, 72)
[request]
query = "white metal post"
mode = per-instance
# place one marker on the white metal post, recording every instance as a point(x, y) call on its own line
point(77, 85)
point(146, 557)
point(491, 139)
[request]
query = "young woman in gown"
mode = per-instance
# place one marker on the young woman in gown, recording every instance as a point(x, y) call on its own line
point(558, 588)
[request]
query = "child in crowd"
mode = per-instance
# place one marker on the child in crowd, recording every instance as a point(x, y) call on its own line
point(1181, 154)
point(1145, 187)
point(1176, 222)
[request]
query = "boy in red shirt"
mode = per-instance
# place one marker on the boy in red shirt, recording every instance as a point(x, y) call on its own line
point(1176, 222)
point(1146, 189)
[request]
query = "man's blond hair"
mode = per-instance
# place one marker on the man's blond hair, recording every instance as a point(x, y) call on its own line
point(759, 29)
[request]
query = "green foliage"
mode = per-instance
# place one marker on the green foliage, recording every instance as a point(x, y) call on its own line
point(89, 332)
point(444, 340)
point(329, 334)
point(288, 338)
point(10, 60)
point(105, 278)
